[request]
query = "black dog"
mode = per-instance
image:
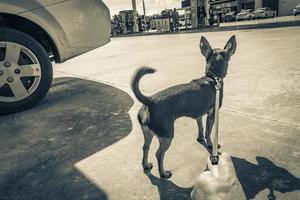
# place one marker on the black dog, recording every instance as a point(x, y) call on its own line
point(193, 99)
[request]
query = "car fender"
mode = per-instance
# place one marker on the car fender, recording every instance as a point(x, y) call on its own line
point(49, 23)
point(36, 12)
point(70, 33)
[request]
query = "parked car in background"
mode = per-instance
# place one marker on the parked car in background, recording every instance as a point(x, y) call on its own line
point(230, 16)
point(244, 15)
point(34, 32)
point(263, 13)
point(297, 10)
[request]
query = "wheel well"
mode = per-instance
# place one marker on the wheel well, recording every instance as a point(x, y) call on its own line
point(26, 26)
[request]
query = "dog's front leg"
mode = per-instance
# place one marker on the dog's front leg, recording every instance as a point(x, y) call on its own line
point(200, 130)
point(209, 124)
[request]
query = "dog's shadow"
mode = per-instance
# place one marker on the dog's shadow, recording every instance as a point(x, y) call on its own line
point(169, 190)
point(265, 175)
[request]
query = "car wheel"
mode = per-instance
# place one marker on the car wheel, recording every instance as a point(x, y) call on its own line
point(25, 71)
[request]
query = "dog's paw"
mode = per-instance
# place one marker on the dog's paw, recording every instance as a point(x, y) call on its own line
point(201, 140)
point(148, 166)
point(166, 174)
point(210, 146)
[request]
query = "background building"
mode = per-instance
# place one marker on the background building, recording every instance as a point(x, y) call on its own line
point(286, 7)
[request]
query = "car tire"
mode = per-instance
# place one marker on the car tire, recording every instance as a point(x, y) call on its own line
point(25, 69)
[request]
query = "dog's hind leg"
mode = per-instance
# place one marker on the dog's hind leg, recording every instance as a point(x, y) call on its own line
point(200, 138)
point(164, 144)
point(148, 136)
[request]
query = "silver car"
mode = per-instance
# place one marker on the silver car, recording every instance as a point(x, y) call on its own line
point(296, 10)
point(263, 13)
point(35, 32)
point(244, 15)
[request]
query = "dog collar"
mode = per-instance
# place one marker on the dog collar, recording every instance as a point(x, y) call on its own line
point(217, 79)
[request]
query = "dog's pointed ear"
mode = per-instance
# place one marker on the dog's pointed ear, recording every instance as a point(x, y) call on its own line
point(205, 47)
point(230, 47)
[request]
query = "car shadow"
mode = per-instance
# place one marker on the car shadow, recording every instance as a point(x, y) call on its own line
point(40, 146)
point(168, 190)
point(264, 175)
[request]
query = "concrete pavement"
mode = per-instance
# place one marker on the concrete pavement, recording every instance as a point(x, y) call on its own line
point(259, 120)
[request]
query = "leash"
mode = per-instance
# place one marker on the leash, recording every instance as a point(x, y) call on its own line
point(214, 156)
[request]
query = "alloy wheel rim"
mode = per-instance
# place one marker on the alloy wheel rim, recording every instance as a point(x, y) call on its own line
point(20, 72)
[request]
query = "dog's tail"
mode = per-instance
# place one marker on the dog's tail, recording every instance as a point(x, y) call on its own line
point(139, 73)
